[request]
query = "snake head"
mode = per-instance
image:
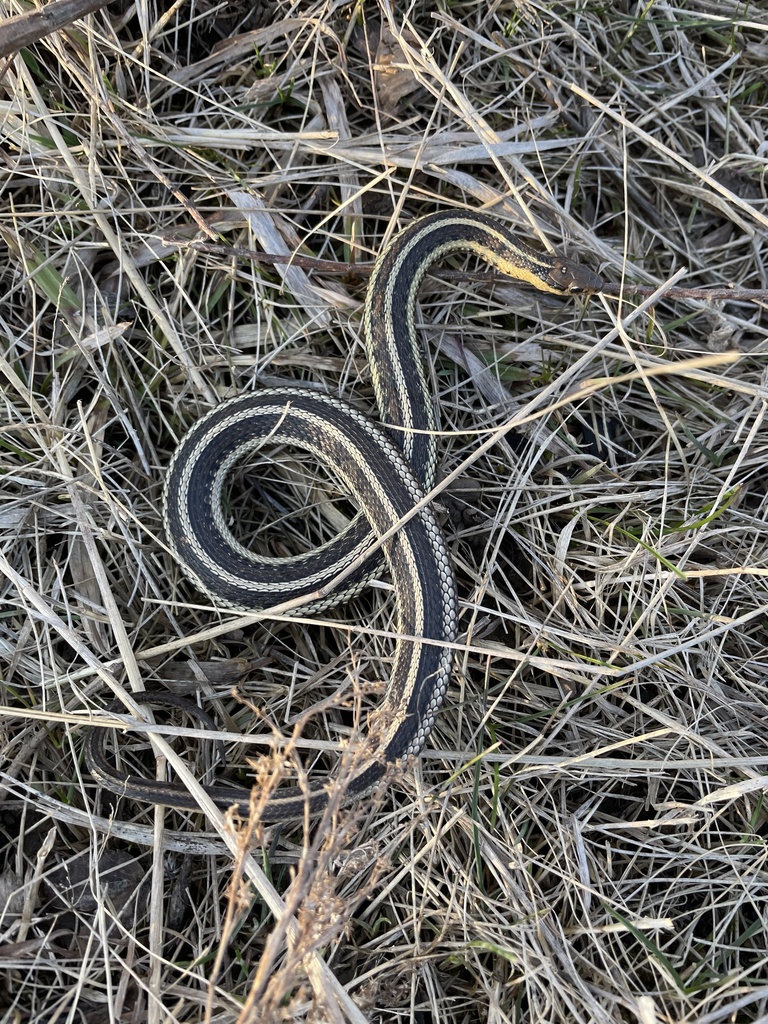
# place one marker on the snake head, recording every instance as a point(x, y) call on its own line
point(567, 276)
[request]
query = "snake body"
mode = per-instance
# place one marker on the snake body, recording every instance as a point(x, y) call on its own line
point(387, 469)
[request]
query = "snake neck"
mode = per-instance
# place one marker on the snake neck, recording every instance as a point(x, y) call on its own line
point(395, 354)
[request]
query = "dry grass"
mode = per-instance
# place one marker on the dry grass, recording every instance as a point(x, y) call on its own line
point(584, 838)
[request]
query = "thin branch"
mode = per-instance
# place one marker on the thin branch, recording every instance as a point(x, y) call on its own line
point(26, 29)
point(727, 293)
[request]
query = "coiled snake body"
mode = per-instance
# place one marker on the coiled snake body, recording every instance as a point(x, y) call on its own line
point(387, 473)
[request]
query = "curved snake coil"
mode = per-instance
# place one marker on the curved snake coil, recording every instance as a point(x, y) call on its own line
point(386, 472)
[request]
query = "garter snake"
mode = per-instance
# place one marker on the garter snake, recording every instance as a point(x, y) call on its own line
point(386, 469)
